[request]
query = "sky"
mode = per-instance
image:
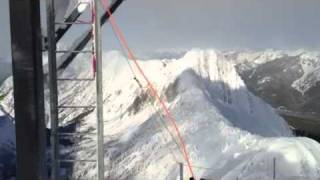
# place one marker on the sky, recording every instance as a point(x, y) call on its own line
point(283, 24)
point(4, 30)
point(151, 25)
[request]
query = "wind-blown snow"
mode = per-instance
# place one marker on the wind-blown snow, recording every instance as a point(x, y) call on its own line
point(229, 132)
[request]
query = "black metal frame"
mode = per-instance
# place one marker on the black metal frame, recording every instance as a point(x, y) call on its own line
point(28, 89)
point(87, 36)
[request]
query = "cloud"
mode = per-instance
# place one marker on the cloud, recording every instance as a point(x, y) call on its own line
point(150, 25)
point(5, 29)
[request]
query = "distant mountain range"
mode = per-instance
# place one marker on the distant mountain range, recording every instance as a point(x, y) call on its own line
point(285, 79)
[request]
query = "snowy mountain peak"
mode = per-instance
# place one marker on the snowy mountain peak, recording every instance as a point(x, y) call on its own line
point(227, 130)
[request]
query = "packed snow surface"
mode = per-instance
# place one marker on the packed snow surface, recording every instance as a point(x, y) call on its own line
point(229, 133)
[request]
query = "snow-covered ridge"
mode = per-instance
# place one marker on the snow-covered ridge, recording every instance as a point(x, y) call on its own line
point(227, 130)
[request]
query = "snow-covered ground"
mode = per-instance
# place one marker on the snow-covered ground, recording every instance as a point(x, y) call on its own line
point(229, 132)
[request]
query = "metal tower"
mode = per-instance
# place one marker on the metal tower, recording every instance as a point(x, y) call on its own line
point(28, 88)
point(93, 34)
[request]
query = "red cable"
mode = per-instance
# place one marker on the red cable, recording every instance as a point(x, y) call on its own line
point(151, 87)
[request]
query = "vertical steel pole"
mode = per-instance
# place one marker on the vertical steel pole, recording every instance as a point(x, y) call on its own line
point(28, 89)
point(98, 53)
point(274, 168)
point(53, 89)
point(181, 170)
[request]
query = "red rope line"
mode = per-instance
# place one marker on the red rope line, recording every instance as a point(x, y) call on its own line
point(150, 86)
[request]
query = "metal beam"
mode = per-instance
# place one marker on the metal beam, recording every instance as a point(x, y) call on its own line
point(28, 88)
point(99, 90)
point(75, 14)
point(181, 170)
point(53, 90)
point(85, 38)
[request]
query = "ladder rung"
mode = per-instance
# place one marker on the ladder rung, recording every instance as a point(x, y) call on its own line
point(66, 51)
point(76, 107)
point(77, 160)
point(80, 79)
point(75, 134)
point(71, 23)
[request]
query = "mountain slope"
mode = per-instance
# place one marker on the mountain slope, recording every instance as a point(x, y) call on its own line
point(288, 79)
point(7, 147)
point(229, 132)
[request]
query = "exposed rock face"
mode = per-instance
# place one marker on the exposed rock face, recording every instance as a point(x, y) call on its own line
point(289, 80)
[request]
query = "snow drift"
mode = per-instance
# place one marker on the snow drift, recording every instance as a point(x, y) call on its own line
point(229, 132)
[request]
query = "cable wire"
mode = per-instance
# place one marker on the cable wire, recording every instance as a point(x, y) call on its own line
point(150, 85)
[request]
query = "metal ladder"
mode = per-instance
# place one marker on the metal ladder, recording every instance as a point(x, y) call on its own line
point(52, 38)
